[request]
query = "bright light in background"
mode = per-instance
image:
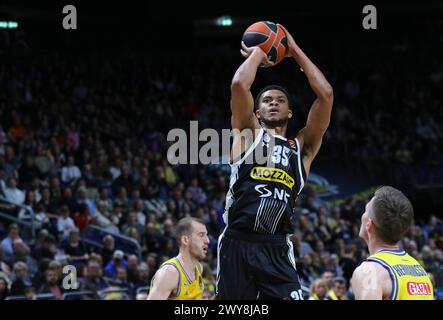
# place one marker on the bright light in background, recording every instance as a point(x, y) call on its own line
point(8, 25)
point(225, 21)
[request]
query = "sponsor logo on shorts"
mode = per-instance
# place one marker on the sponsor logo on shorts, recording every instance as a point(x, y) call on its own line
point(272, 174)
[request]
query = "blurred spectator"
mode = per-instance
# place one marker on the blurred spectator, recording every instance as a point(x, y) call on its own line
point(108, 249)
point(83, 217)
point(339, 290)
point(124, 180)
point(14, 248)
point(132, 232)
point(301, 248)
point(93, 280)
point(70, 173)
point(51, 284)
point(153, 263)
point(103, 218)
point(152, 238)
point(74, 248)
point(116, 262)
point(209, 281)
point(12, 162)
point(14, 194)
point(20, 279)
point(121, 281)
point(65, 224)
point(73, 138)
point(83, 199)
point(42, 219)
point(46, 200)
point(39, 276)
point(132, 222)
point(169, 238)
point(132, 268)
point(56, 190)
point(5, 269)
point(307, 270)
point(47, 249)
point(348, 261)
point(196, 193)
point(4, 290)
point(28, 171)
point(29, 293)
point(139, 209)
point(208, 295)
point(328, 277)
point(318, 290)
point(67, 199)
point(143, 277)
point(17, 131)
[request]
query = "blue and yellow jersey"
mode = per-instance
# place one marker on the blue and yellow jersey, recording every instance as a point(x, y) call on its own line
point(410, 280)
point(186, 289)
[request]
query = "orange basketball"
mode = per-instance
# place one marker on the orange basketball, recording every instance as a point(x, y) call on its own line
point(270, 37)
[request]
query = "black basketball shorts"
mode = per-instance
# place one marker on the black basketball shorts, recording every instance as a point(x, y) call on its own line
point(255, 266)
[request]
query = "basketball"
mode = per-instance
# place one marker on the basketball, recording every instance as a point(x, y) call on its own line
point(270, 37)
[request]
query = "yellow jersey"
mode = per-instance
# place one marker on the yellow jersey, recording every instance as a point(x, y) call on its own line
point(410, 280)
point(186, 289)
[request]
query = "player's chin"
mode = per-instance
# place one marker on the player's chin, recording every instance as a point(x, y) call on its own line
point(275, 120)
point(274, 117)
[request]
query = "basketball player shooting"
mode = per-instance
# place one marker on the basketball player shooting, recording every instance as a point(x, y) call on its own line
point(255, 254)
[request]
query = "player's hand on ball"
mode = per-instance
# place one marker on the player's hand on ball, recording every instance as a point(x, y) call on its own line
point(248, 51)
point(290, 40)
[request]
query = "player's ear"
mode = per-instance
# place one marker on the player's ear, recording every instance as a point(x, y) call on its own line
point(184, 239)
point(257, 113)
point(290, 113)
point(370, 226)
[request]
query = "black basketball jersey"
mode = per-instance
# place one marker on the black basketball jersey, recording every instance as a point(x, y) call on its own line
point(264, 185)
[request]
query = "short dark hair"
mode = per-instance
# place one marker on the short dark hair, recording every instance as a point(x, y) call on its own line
point(393, 214)
point(340, 280)
point(267, 88)
point(184, 227)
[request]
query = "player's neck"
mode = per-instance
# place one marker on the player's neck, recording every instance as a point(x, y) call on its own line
point(376, 246)
point(188, 261)
point(277, 131)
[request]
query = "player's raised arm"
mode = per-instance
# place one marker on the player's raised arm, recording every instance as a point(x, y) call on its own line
point(320, 113)
point(242, 102)
point(164, 283)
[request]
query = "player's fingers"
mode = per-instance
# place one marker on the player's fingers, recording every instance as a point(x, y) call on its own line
point(269, 62)
point(243, 53)
point(244, 47)
point(281, 26)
